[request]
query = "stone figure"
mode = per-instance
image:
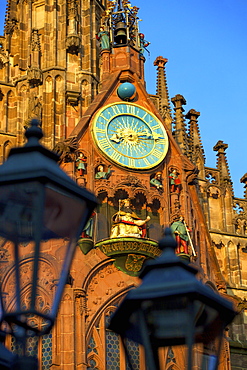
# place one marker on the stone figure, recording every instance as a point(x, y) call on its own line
point(103, 37)
point(156, 181)
point(143, 44)
point(81, 160)
point(127, 223)
point(175, 183)
point(88, 229)
point(181, 233)
point(35, 107)
point(101, 174)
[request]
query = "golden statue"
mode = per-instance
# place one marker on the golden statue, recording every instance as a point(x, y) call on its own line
point(127, 223)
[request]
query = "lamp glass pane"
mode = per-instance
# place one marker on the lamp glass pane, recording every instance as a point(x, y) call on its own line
point(39, 227)
point(19, 207)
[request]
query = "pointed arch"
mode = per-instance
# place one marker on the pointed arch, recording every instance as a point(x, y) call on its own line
point(6, 148)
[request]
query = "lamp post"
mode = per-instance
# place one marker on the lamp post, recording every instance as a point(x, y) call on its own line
point(40, 207)
point(171, 307)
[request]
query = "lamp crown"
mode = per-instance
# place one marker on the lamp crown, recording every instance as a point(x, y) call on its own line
point(168, 241)
point(34, 133)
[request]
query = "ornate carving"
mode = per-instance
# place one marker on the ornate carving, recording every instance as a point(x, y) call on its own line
point(3, 56)
point(213, 192)
point(73, 43)
point(211, 177)
point(11, 26)
point(73, 97)
point(134, 262)
point(35, 108)
point(35, 42)
point(132, 181)
point(238, 208)
point(45, 280)
point(4, 252)
point(34, 76)
point(218, 245)
point(67, 149)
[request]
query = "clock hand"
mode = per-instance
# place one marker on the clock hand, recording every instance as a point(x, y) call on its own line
point(149, 136)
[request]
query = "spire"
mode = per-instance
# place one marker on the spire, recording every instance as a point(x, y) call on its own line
point(10, 17)
point(243, 180)
point(162, 90)
point(180, 133)
point(222, 165)
point(195, 143)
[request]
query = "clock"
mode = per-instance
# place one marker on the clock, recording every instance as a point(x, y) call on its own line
point(130, 136)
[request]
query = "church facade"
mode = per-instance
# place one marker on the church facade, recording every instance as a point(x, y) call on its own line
point(78, 66)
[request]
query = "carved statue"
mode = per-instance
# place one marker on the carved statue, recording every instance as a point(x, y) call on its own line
point(88, 229)
point(101, 174)
point(127, 223)
point(175, 183)
point(35, 107)
point(181, 233)
point(143, 44)
point(103, 37)
point(156, 181)
point(81, 160)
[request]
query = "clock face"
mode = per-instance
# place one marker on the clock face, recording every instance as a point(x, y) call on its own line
point(130, 136)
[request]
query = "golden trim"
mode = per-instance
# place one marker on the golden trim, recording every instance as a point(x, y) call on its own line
point(117, 112)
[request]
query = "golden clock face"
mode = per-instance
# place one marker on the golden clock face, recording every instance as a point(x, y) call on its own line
point(130, 136)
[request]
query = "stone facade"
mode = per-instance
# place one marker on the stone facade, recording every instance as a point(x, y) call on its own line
point(52, 67)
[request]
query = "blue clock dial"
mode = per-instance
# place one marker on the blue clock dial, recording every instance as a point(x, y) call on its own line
point(130, 136)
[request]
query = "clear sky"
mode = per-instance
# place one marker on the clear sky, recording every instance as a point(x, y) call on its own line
point(205, 43)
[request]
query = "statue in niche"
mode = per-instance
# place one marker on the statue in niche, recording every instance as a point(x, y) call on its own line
point(127, 223)
point(181, 234)
point(156, 181)
point(175, 183)
point(81, 161)
point(88, 229)
point(101, 173)
point(103, 37)
point(35, 107)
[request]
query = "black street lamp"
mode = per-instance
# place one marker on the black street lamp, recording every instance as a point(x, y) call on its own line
point(40, 207)
point(171, 307)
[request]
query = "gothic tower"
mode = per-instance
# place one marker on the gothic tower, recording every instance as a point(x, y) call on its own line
point(146, 166)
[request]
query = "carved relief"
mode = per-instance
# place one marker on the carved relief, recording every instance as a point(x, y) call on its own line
point(103, 283)
point(240, 226)
point(45, 279)
point(213, 192)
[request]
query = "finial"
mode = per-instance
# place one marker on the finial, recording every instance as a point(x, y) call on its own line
point(34, 133)
point(160, 62)
point(168, 240)
point(220, 147)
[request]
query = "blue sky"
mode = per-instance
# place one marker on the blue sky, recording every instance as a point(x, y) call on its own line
point(205, 43)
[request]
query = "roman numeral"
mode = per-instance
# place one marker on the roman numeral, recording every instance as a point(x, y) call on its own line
point(131, 162)
point(145, 115)
point(116, 109)
point(156, 153)
point(130, 109)
point(156, 127)
point(104, 144)
point(116, 156)
point(146, 161)
point(102, 116)
point(161, 141)
point(100, 130)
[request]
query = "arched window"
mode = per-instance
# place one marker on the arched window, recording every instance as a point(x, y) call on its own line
point(105, 349)
point(40, 347)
